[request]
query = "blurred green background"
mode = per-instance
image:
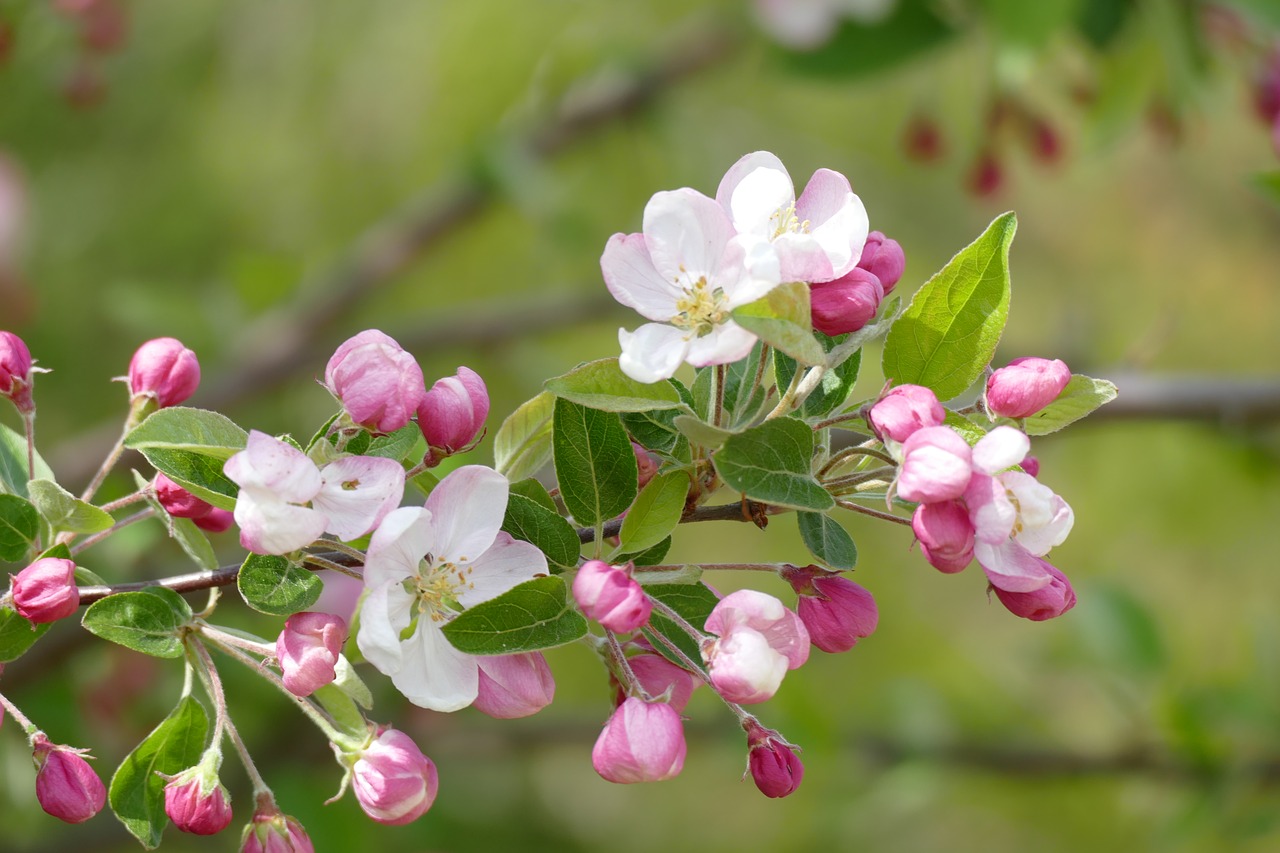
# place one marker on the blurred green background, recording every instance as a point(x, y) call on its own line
point(230, 165)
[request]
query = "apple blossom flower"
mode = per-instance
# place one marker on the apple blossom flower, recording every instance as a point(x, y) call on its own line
point(66, 786)
point(46, 590)
point(513, 686)
point(164, 370)
point(903, 410)
point(379, 384)
point(1025, 386)
point(308, 649)
point(772, 762)
point(936, 465)
point(451, 415)
point(347, 498)
point(641, 742)
point(836, 611)
point(197, 802)
point(1048, 602)
point(945, 535)
point(759, 639)
point(425, 564)
point(686, 271)
point(845, 304)
point(273, 832)
point(609, 595)
point(393, 781)
point(818, 237)
point(15, 372)
point(883, 258)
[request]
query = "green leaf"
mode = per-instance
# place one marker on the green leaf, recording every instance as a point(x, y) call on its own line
point(602, 385)
point(595, 465)
point(184, 531)
point(523, 443)
point(195, 430)
point(836, 383)
point(743, 397)
point(137, 788)
point(64, 511)
point(948, 334)
point(770, 463)
point(532, 489)
point(19, 526)
point(344, 696)
point(827, 540)
point(149, 621)
point(1081, 397)
point(276, 586)
point(535, 615)
point(650, 556)
point(395, 445)
point(694, 602)
point(13, 463)
point(700, 433)
point(532, 522)
point(781, 318)
point(968, 430)
point(199, 474)
point(1268, 183)
point(655, 513)
point(1030, 26)
point(17, 634)
point(857, 49)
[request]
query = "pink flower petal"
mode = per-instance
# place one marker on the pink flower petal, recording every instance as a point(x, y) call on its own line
point(357, 492)
point(631, 278)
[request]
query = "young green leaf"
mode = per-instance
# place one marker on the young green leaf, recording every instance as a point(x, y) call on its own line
point(195, 430)
point(827, 540)
point(535, 615)
point(197, 473)
point(602, 385)
point(532, 522)
point(781, 318)
point(595, 465)
point(149, 621)
point(64, 511)
point(770, 463)
point(655, 513)
point(523, 443)
point(17, 634)
point(19, 526)
point(395, 445)
point(700, 433)
point(276, 586)
point(1082, 396)
point(13, 463)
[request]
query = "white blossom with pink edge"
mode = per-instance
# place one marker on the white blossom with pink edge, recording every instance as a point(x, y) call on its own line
point(759, 640)
point(686, 271)
point(426, 564)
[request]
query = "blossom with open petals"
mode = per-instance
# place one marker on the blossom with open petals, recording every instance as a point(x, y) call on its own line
point(423, 566)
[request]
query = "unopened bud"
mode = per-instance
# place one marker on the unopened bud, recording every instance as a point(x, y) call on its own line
point(393, 781)
point(15, 371)
point(986, 176)
point(609, 595)
point(216, 520)
point(513, 686)
point(1047, 602)
point(846, 304)
point(379, 385)
point(177, 501)
point(273, 832)
point(641, 742)
point(836, 611)
point(883, 258)
point(905, 409)
point(922, 139)
point(772, 762)
point(453, 411)
point(46, 591)
point(197, 802)
point(936, 465)
point(945, 533)
point(66, 786)
point(646, 465)
point(308, 650)
point(162, 368)
point(1026, 386)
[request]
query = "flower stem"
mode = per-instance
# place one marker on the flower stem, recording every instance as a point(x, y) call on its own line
point(124, 522)
point(729, 567)
point(717, 395)
point(322, 563)
point(222, 720)
point(850, 452)
point(874, 513)
point(29, 427)
point(135, 416)
point(121, 503)
point(21, 718)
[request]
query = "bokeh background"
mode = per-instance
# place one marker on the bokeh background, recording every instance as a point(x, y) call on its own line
point(263, 180)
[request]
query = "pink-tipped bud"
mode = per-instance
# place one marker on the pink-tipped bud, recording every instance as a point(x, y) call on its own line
point(1045, 142)
point(772, 762)
point(452, 413)
point(393, 781)
point(1047, 602)
point(946, 535)
point(883, 258)
point(216, 520)
point(1031, 465)
point(986, 176)
point(177, 501)
point(66, 785)
point(646, 465)
point(846, 304)
point(162, 368)
point(609, 595)
point(922, 139)
point(936, 465)
point(197, 802)
point(759, 639)
point(836, 611)
point(1026, 386)
point(659, 677)
point(904, 410)
point(273, 832)
point(379, 385)
point(513, 686)
point(641, 742)
point(46, 591)
point(308, 650)
point(15, 371)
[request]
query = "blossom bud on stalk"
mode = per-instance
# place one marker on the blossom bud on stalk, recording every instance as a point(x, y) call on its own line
point(215, 520)
point(641, 742)
point(1047, 602)
point(46, 591)
point(177, 501)
point(513, 686)
point(273, 832)
point(846, 304)
point(308, 650)
point(165, 370)
point(379, 385)
point(905, 409)
point(15, 372)
point(646, 465)
point(836, 611)
point(1026, 386)
point(1031, 465)
point(66, 785)
point(659, 677)
point(197, 802)
point(609, 595)
point(883, 258)
point(945, 533)
point(759, 640)
point(772, 762)
point(936, 465)
point(452, 413)
point(393, 781)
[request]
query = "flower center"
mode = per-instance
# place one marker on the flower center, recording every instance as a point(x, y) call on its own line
point(437, 586)
point(701, 308)
point(785, 221)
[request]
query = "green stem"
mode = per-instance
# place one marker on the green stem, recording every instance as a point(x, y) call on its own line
point(21, 718)
point(874, 513)
point(728, 567)
point(127, 500)
point(115, 528)
point(850, 452)
point(29, 427)
point(717, 395)
point(222, 720)
point(322, 563)
point(137, 408)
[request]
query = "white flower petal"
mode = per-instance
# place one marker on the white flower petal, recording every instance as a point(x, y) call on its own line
point(270, 464)
point(507, 563)
point(762, 198)
point(433, 674)
point(1011, 567)
point(652, 352)
point(386, 611)
point(467, 509)
point(631, 278)
point(357, 492)
point(686, 233)
point(749, 269)
point(746, 164)
point(999, 449)
point(725, 344)
point(403, 538)
point(268, 525)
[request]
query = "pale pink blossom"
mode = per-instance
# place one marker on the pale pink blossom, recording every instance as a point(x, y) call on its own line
point(165, 370)
point(393, 781)
point(514, 686)
point(758, 640)
point(1026, 386)
point(905, 409)
point(936, 465)
point(308, 649)
point(641, 742)
point(379, 385)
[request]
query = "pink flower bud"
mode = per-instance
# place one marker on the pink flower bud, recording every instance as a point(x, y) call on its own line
point(945, 534)
point(308, 650)
point(164, 369)
point(773, 763)
point(393, 781)
point(657, 676)
point(215, 520)
point(273, 832)
point(15, 371)
point(611, 596)
point(1031, 465)
point(45, 591)
point(452, 413)
point(197, 802)
point(883, 258)
point(646, 465)
point(936, 465)
point(177, 501)
point(513, 686)
point(1026, 386)
point(379, 384)
point(904, 410)
point(1045, 142)
point(922, 139)
point(1044, 603)
point(759, 640)
point(986, 176)
point(846, 304)
point(641, 742)
point(836, 611)
point(66, 785)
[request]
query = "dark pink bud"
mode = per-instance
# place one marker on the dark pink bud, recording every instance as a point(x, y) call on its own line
point(646, 465)
point(904, 410)
point(773, 763)
point(657, 676)
point(1026, 386)
point(513, 686)
point(641, 742)
point(215, 520)
point(884, 259)
point(846, 304)
point(393, 781)
point(15, 371)
point(45, 591)
point(308, 650)
point(66, 785)
point(946, 535)
point(1045, 142)
point(922, 139)
point(837, 612)
point(611, 596)
point(1044, 603)
point(986, 176)
point(164, 369)
point(177, 501)
point(379, 385)
point(1031, 465)
point(452, 414)
point(197, 802)
point(273, 832)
